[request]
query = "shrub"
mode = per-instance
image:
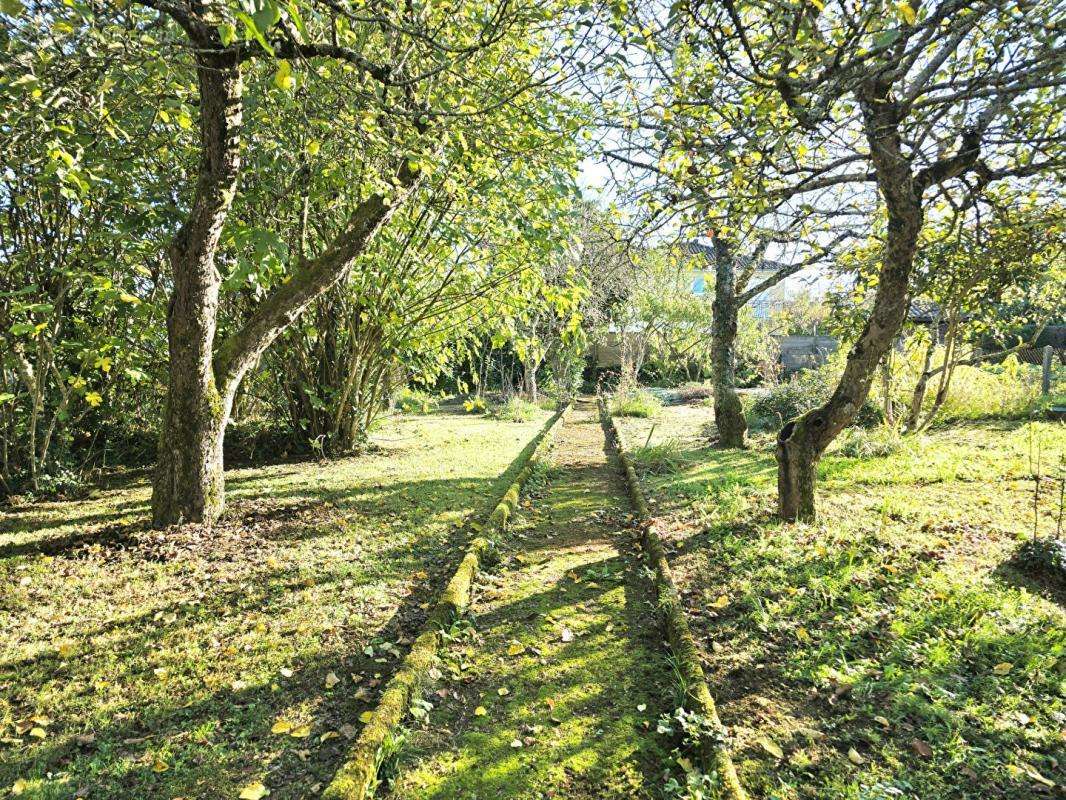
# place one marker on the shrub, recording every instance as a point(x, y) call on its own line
point(659, 459)
point(1044, 556)
point(516, 409)
point(803, 391)
point(635, 403)
point(415, 401)
point(475, 405)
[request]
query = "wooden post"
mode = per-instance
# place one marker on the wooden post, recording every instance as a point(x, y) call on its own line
point(1045, 372)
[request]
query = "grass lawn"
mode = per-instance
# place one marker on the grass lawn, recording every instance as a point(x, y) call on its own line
point(140, 664)
point(890, 650)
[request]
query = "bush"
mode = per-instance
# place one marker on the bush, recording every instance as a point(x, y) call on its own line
point(516, 409)
point(803, 391)
point(475, 405)
point(873, 443)
point(659, 459)
point(1044, 556)
point(635, 403)
point(415, 401)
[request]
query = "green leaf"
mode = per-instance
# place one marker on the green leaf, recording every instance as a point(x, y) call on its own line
point(12, 8)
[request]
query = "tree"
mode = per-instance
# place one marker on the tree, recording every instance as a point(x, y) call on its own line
point(417, 91)
point(927, 105)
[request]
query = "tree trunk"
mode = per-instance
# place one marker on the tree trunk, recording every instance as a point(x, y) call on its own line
point(728, 411)
point(802, 443)
point(188, 477)
point(797, 465)
point(918, 395)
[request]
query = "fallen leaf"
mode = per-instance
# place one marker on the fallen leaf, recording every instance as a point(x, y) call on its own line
point(921, 748)
point(281, 726)
point(160, 766)
point(516, 649)
point(516, 743)
point(1002, 668)
point(503, 691)
point(300, 732)
point(254, 791)
point(770, 747)
point(802, 634)
point(65, 648)
point(38, 732)
point(286, 672)
point(325, 737)
point(19, 786)
point(332, 680)
point(854, 757)
point(567, 635)
point(480, 711)
point(721, 602)
point(642, 707)
point(882, 721)
point(366, 716)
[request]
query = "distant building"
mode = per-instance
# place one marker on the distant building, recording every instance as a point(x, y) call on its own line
point(763, 304)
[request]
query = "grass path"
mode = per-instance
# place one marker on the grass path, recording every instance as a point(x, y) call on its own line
point(556, 688)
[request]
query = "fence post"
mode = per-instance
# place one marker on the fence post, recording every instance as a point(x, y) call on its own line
point(1045, 372)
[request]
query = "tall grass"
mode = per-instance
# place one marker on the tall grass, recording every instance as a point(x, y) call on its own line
point(635, 403)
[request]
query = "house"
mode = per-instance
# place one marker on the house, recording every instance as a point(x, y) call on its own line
point(763, 304)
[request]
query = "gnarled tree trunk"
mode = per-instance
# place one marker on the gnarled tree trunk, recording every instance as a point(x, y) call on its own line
point(204, 380)
point(801, 443)
point(728, 411)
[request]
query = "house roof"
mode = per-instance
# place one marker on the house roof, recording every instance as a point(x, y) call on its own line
point(705, 252)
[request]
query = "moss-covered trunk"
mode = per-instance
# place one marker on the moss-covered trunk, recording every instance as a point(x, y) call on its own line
point(188, 479)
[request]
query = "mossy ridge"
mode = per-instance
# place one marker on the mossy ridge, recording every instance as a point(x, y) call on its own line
point(714, 756)
point(567, 633)
point(357, 777)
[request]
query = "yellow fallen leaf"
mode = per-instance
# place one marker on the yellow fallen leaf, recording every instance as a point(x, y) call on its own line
point(770, 747)
point(366, 716)
point(480, 711)
point(300, 732)
point(516, 743)
point(516, 649)
point(503, 691)
point(159, 765)
point(65, 649)
point(286, 672)
point(19, 786)
point(721, 602)
point(854, 757)
point(281, 726)
point(39, 733)
point(254, 791)
point(802, 634)
point(332, 680)
point(1002, 668)
point(325, 737)
point(882, 721)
